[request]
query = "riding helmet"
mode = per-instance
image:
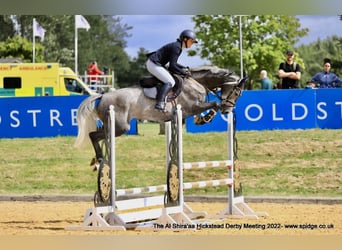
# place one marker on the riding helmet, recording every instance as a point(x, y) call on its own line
point(188, 34)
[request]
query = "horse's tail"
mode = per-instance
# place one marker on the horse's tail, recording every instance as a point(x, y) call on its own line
point(86, 119)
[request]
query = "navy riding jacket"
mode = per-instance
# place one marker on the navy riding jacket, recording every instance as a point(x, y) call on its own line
point(169, 53)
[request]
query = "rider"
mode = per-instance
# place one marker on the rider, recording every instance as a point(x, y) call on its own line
point(169, 54)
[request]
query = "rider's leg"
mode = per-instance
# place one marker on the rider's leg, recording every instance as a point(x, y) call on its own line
point(165, 77)
point(162, 95)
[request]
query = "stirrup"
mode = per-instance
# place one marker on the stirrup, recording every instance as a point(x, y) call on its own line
point(160, 106)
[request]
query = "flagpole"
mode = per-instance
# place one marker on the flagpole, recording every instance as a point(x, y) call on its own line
point(34, 42)
point(76, 55)
point(82, 23)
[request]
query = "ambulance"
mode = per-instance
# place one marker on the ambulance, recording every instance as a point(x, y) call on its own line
point(40, 79)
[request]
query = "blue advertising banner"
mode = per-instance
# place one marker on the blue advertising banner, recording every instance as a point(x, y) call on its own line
point(281, 109)
point(45, 116)
point(329, 108)
point(276, 109)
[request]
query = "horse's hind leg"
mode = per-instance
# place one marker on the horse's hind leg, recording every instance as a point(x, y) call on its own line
point(122, 123)
point(96, 137)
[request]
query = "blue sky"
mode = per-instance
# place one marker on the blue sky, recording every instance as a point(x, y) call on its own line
point(152, 31)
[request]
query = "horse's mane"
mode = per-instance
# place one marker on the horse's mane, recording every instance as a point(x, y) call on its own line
point(214, 72)
point(212, 69)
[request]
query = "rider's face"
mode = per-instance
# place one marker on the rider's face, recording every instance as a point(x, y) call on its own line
point(189, 42)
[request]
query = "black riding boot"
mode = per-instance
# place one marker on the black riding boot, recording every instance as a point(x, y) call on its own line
point(161, 96)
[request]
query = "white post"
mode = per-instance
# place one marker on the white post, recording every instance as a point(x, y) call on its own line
point(112, 154)
point(167, 140)
point(76, 55)
point(33, 41)
point(241, 59)
point(230, 135)
point(113, 83)
point(180, 155)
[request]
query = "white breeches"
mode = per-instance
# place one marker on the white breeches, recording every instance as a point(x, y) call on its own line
point(160, 72)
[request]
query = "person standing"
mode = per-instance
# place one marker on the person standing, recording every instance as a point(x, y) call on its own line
point(326, 79)
point(92, 72)
point(169, 54)
point(289, 72)
point(266, 82)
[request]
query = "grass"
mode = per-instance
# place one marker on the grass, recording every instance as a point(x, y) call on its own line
point(277, 163)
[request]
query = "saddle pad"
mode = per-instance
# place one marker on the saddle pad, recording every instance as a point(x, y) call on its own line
point(150, 92)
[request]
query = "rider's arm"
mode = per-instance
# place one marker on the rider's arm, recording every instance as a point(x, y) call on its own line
point(174, 66)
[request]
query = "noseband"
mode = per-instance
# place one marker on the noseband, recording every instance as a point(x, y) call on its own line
point(232, 96)
point(229, 101)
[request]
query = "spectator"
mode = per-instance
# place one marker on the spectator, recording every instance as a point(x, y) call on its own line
point(326, 79)
point(92, 72)
point(289, 72)
point(266, 83)
point(310, 85)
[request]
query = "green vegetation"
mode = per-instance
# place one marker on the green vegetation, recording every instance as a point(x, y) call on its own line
point(104, 41)
point(277, 163)
point(265, 40)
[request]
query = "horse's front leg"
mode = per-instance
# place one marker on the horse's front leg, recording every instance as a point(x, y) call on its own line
point(200, 119)
point(201, 107)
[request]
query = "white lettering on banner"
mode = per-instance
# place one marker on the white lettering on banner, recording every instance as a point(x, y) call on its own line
point(324, 113)
point(54, 115)
point(294, 117)
point(34, 117)
point(274, 115)
point(251, 118)
point(74, 117)
point(339, 103)
point(17, 124)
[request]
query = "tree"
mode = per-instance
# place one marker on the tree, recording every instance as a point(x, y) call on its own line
point(314, 54)
point(19, 47)
point(6, 27)
point(137, 69)
point(265, 40)
point(104, 41)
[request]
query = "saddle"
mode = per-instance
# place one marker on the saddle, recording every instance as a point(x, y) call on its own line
point(152, 84)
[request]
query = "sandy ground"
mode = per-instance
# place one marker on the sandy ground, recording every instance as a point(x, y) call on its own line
point(56, 218)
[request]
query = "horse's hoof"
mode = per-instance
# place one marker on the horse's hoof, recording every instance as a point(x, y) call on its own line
point(92, 162)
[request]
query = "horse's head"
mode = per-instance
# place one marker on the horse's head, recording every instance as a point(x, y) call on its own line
point(217, 79)
point(230, 94)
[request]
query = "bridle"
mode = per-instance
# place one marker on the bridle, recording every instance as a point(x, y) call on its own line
point(237, 91)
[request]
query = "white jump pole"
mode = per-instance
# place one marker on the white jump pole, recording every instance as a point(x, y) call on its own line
point(112, 155)
point(237, 208)
point(180, 155)
point(230, 135)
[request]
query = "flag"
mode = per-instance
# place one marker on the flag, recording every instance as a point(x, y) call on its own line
point(38, 30)
point(81, 22)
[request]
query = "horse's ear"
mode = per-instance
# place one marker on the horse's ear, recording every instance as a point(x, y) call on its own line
point(242, 82)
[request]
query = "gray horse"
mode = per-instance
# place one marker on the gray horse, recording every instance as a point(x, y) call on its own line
point(132, 103)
